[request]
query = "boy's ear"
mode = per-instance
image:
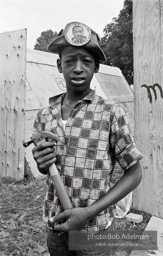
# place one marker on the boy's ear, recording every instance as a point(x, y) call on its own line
point(97, 67)
point(59, 66)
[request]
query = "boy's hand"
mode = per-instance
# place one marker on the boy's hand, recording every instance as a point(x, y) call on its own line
point(74, 219)
point(44, 155)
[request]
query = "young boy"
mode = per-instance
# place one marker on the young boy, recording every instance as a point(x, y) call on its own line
point(95, 134)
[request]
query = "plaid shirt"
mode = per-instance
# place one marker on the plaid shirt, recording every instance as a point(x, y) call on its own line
point(97, 135)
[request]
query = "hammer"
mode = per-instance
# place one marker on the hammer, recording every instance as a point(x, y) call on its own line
point(56, 178)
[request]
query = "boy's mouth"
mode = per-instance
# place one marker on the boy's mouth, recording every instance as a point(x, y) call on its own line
point(77, 80)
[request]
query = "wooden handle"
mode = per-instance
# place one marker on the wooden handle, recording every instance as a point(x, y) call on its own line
point(60, 188)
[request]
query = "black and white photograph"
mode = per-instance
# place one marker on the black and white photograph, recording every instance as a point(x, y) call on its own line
point(81, 135)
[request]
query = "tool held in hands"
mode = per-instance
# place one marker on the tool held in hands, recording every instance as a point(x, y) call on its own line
point(56, 178)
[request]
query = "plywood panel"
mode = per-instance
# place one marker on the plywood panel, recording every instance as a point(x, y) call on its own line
point(148, 50)
point(12, 104)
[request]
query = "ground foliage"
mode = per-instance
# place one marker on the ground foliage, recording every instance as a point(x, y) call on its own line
point(22, 231)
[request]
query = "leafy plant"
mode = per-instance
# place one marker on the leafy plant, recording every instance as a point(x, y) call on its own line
point(44, 40)
point(117, 42)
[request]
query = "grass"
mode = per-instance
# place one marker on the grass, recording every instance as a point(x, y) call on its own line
point(22, 231)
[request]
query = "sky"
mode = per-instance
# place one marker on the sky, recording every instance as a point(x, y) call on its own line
point(41, 15)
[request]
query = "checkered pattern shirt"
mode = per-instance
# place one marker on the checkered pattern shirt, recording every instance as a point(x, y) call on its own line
point(96, 135)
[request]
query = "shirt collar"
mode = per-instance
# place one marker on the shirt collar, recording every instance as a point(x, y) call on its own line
point(55, 100)
point(90, 96)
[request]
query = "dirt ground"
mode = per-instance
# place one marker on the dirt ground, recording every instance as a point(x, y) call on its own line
point(22, 231)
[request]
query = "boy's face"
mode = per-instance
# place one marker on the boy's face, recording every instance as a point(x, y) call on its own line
point(78, 67)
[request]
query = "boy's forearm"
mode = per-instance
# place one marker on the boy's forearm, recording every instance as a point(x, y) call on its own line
point(126, 184)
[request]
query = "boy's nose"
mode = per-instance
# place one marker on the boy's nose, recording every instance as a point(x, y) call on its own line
point(78, 67)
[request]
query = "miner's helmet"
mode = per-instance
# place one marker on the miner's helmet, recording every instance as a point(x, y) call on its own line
point(78, 34)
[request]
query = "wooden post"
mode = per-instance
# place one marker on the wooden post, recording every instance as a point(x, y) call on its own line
point(148, 83)
point(12, 103)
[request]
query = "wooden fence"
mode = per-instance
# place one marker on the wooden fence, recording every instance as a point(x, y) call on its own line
point(148, 82)
point(12, 102)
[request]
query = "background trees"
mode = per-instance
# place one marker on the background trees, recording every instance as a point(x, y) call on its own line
point(117, 42)
point(44, 40)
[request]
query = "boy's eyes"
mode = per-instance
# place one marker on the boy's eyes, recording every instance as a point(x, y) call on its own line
point(69, 61)
point(85, 61)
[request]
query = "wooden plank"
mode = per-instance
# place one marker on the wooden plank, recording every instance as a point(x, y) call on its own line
point(155, 224)
point(12, 104)
point(148, 65)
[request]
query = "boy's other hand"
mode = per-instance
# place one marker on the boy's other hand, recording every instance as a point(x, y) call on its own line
point(44, 155)
point(72, 219)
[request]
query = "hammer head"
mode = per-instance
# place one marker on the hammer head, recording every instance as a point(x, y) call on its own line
point(27, 142)
point(44, 135)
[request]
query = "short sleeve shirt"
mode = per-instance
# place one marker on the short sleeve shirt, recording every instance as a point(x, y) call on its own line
point(97, 134)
